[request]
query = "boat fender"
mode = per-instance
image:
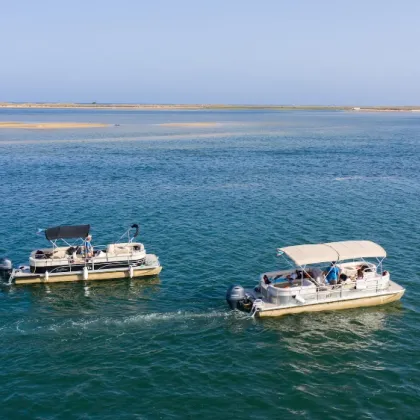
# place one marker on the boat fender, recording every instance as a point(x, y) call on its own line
point(85, 273)
point(46, 276)
point(131, 271)
point(299, 299)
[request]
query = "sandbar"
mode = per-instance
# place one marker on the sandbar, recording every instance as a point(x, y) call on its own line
point(189, 124)
point(49, 125)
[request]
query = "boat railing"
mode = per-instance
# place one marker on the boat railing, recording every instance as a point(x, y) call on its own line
point(320, 293)
point(345, 290)
point(88, 261)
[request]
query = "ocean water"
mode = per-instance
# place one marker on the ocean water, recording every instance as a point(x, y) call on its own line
point(214, 202)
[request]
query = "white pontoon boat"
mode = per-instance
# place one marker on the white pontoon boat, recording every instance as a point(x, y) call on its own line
point(305, 288)
point(82, 261)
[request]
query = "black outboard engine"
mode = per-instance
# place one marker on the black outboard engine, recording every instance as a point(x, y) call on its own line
point(5, 268)
point(236, 296)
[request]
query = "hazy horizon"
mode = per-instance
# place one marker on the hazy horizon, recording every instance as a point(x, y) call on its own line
point(191, 104)
point(236, 53)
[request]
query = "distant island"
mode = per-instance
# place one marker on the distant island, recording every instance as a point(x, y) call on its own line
point(145, 107)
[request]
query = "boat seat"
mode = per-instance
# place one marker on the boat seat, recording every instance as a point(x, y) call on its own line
point(110, 249)
point(367, 275)
point(59, 254)
point(115, 249)
point(349, 271)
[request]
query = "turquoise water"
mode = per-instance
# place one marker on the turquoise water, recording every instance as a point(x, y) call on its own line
point(214, 202)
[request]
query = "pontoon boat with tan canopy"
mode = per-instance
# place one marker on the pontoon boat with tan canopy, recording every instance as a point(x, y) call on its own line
point(306, 288)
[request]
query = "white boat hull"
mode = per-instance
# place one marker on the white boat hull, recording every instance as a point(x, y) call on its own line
point(392, 294)
point(152, 267)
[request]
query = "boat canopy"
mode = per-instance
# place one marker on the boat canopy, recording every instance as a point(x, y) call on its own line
point(333, 251)
point(67, 232)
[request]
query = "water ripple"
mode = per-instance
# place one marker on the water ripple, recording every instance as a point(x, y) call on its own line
point(214, 204)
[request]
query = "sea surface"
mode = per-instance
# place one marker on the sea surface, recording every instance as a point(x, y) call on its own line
point(214, 202)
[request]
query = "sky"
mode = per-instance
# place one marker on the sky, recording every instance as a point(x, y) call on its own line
point(301, 52)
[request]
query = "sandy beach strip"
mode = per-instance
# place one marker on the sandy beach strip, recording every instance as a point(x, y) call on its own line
point(189, 124)
point(49, 125)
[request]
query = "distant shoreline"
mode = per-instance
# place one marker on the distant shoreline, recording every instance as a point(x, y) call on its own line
point(194, 107)
point(49, 125)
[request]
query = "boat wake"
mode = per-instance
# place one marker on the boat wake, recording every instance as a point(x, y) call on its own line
point(37, 326)
point(162, 317)
point(349, 178)
point(360, 177)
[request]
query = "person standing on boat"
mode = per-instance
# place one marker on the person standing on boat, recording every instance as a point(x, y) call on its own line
point(332, 274)
point(88, 246)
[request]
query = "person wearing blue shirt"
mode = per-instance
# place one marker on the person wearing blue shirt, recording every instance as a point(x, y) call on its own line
point(332, 274)
point(88, 246)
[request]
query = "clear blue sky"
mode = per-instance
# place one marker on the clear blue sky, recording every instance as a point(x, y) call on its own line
point(199, 51)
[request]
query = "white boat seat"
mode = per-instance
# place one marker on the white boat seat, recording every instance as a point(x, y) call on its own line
point(115, 249)
point(349, 272)
point(59, 254)
point(110, 249)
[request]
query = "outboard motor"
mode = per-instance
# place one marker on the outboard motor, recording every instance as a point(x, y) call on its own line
point(236, 296)
point(5, 268)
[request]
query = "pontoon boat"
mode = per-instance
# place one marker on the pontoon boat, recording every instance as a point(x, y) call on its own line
point(82, 261)
point(304, 288)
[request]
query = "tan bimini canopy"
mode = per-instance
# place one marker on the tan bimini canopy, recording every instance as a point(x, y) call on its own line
point(333, 251)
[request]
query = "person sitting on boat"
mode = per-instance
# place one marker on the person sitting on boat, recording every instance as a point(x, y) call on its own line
point(88, 246)
point(299, 274)
point(266, 279)
point(291, 277)
point(343, 278)
point(332, 274)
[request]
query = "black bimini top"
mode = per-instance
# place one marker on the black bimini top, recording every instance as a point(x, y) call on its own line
point(67, 232)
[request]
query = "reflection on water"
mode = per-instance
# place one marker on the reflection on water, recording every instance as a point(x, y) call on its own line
point(333, 343)
point(85, 298)
point(340, 330)
point(137, 288)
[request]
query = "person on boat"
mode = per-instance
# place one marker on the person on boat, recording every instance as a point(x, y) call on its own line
point(299, 274)
point(343, 278)
point(332, 274)
point(266, 279)
point(291, 277)
point(88, 246)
